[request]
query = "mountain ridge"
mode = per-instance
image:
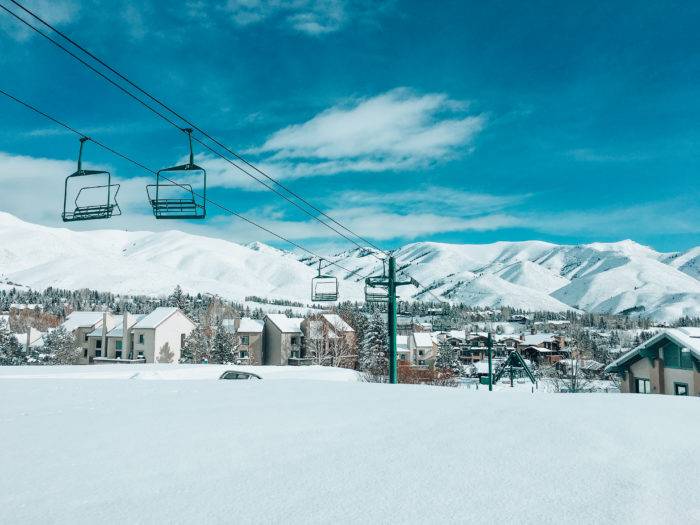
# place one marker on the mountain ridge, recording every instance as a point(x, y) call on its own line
point(614, 277)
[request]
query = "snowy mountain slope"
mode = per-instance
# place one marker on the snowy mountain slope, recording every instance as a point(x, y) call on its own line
point(687, 262)
point(533, 275)
point(147, 263)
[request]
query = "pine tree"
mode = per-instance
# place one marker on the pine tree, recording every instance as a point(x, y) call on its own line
point(448, 358)
point(197, 346)
point(10, 349)
point(374, 350)
point(177, 298)
point(61, 347)
point(224, 347)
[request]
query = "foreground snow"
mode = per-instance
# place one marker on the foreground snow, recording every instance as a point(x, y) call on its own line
point(121, 451)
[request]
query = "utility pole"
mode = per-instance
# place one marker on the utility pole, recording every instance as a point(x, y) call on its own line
point(489, 344)
point(391, 284)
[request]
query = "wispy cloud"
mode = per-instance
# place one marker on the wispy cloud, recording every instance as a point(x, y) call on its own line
point(55, 12)
point(591, 155)
point(396, 130)
point(311, 17)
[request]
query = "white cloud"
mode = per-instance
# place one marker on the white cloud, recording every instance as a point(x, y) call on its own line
point(312, 17)
point(55, 12)
point(397, 130)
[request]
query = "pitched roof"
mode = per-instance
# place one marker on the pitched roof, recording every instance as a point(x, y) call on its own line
point(402, 343)
point(118, 325)
point(156, 317)
point(80, 319)
point(423, 339)
point(287, 325)
point(337, 323)
point(685, 337)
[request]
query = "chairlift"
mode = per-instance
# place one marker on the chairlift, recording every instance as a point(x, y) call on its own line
point(177, 200)
point(376, 290)
point(88, 212)
point(324, 288)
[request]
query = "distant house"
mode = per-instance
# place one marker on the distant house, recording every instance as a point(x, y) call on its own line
point(423, 348)
point(32, 339)
point(329, 340)
point(80, 324)
point(108, 341)
point(668, 363)
point(403, 351)
point(249, 338)
point(541, 355)
point(159, 336)
point(282, 341)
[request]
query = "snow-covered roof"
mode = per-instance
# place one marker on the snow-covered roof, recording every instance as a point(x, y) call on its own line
point(156, 317)
point(337, 323)
point(540, 349)
point(249, 325)
point(246, 325)
point(80, 319)
point(287, 325)
point(423, 339)
point(402, 343)
point(685, 337)
point(537, 339)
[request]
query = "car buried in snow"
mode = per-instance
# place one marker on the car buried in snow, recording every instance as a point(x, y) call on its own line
point(235, 374)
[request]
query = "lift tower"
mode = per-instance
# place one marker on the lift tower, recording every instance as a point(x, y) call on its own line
point(389, 282)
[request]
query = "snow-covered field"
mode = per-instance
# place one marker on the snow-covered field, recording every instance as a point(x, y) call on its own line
point(531, 275)
point(106, 449)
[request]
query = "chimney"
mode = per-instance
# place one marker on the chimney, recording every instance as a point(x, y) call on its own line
point(104, 334)
point(125, 335)
point(29, 339)
point(236, 323)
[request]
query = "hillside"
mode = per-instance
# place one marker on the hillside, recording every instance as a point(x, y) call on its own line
point(533, 275)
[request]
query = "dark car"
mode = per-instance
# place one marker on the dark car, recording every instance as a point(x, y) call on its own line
point(235, 374)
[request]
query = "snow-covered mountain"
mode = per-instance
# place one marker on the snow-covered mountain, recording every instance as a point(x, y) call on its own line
point(600, 277)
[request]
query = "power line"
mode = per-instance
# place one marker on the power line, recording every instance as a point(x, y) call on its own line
point(142, 166)
point(189, 122)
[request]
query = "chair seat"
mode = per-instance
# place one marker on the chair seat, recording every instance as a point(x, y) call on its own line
point(85, 213)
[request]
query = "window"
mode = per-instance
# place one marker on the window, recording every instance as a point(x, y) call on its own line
point(680, 389)
point(140, 353)
point(420, 352)
point(243, 354)
point(86, 337)
point(643, 386)
point(295, 354)
point(421, 362)
point(403, 357)
point(295, 340)
point(84, 352)
point(118, 354)
point(677, 357)
point(140, 339)
point(118, 344)
point(98, 343)
point(98, 353)
point(245, 340)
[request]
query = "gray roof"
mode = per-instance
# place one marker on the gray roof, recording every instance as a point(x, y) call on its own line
point(156, 317)
point(684, 337)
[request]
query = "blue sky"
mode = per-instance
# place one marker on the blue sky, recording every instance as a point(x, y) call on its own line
point(456, 122)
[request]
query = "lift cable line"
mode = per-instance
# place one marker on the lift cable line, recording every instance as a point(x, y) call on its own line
point(146, 168)
point(189, 122)
point(175, 125)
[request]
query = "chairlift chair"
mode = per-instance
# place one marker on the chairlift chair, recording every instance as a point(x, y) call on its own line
point(177, 200)
point(88, 212)
point(324, 288)
point(375, 290)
